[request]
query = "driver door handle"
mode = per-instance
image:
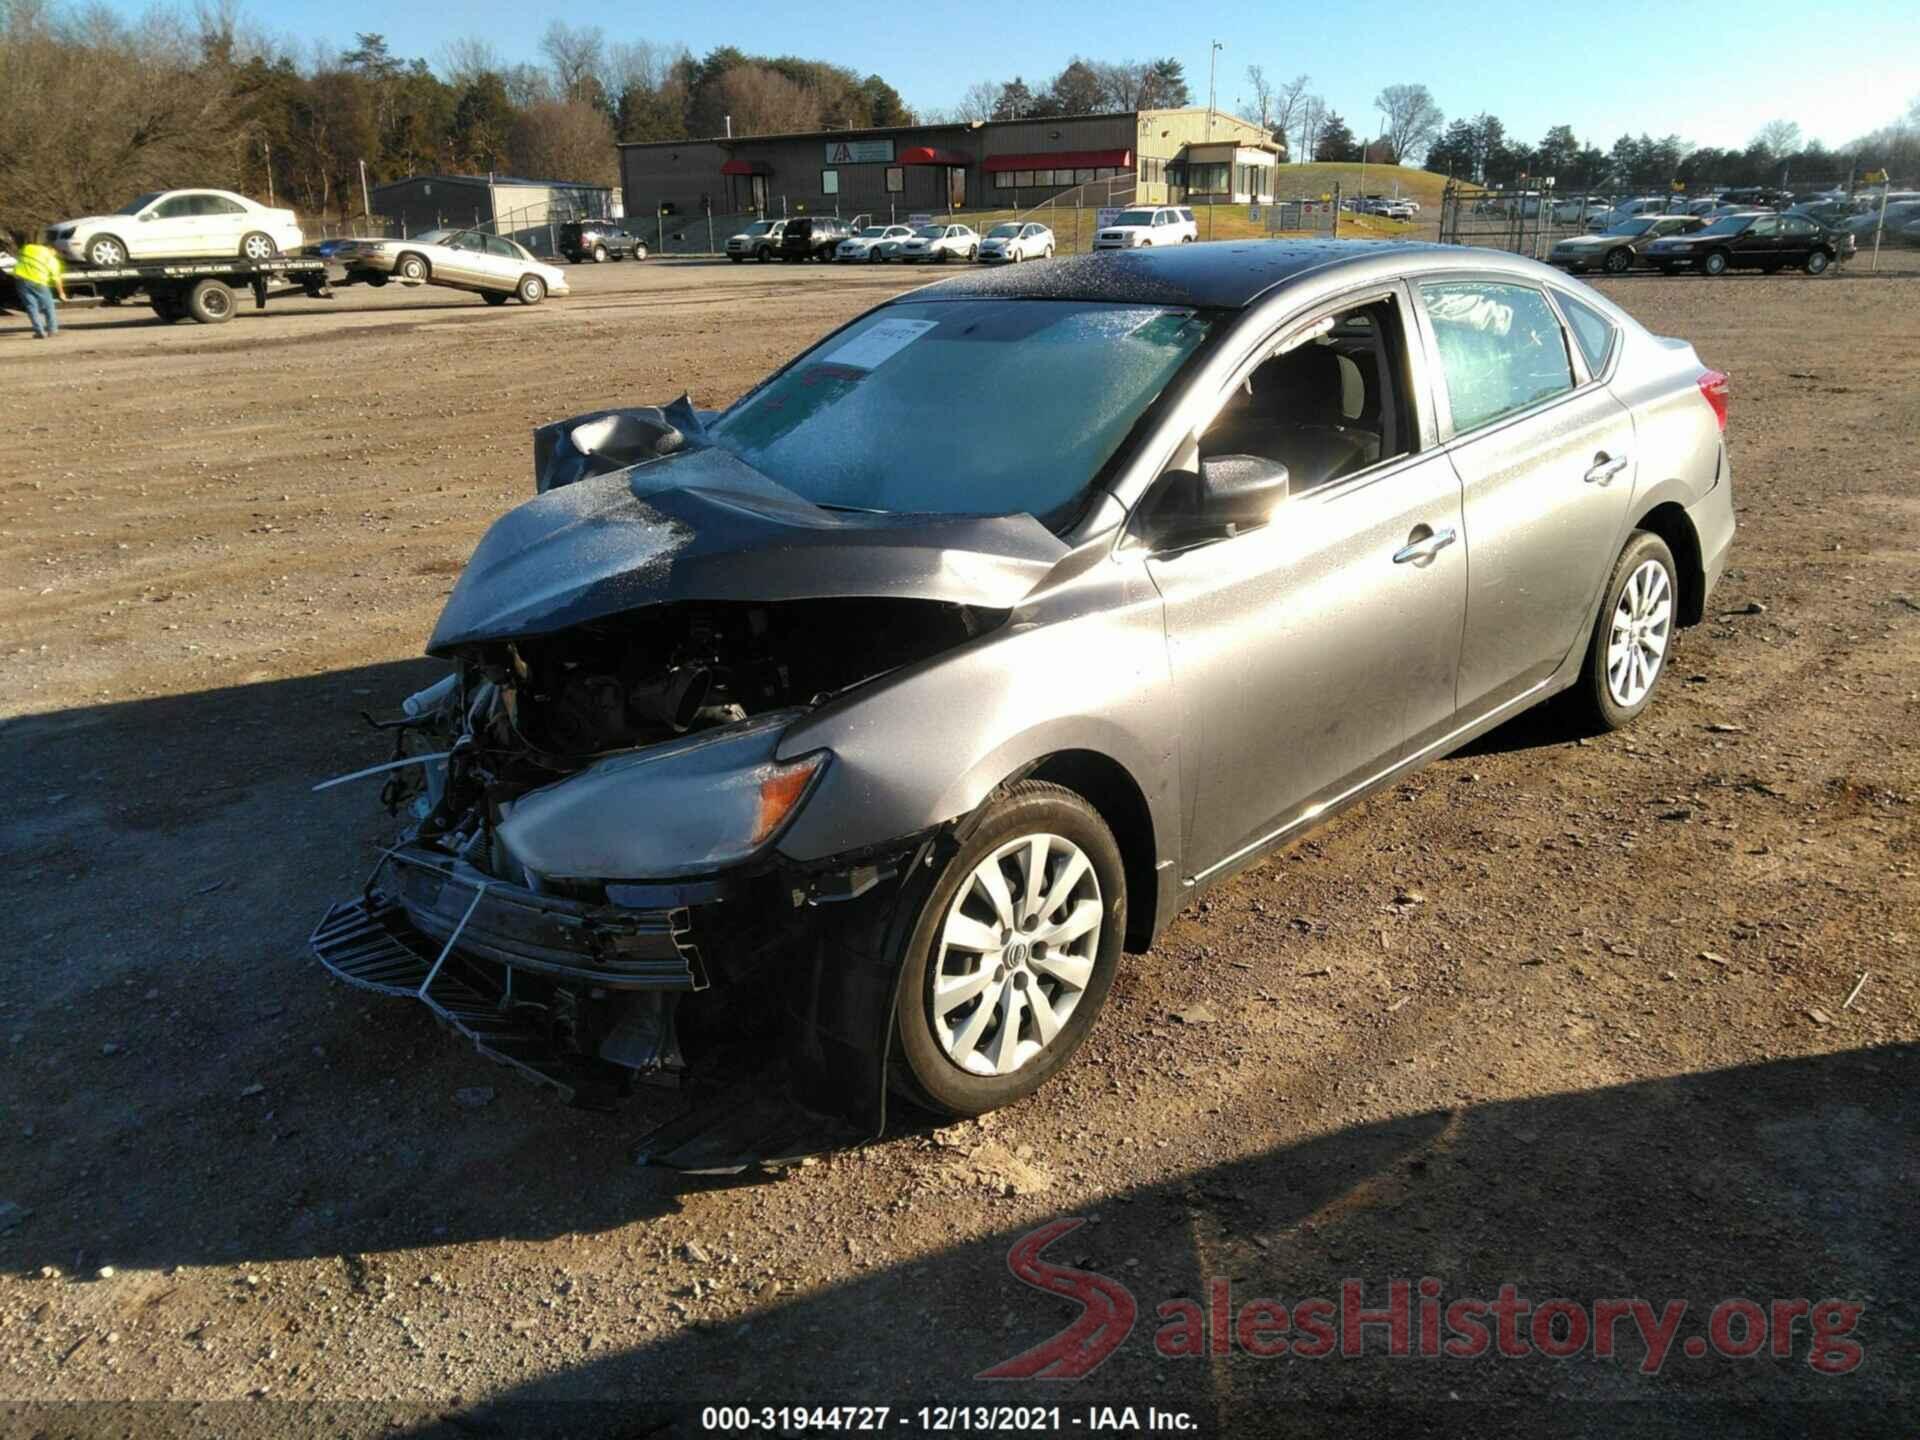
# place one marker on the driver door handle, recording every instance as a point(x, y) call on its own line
point(1424, 547)
point(1604, 469)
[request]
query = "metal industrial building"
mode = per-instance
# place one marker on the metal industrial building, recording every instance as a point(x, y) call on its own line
point(1149, 156)
point(523, 210)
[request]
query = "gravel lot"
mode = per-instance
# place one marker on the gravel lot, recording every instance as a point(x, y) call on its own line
point(1562, 1012)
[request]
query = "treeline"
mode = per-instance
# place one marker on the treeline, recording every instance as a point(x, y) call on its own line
point(1083, 87)
point(95, 109)
point(1479, 150)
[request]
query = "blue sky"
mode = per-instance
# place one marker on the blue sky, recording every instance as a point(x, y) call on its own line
point(1712, 74)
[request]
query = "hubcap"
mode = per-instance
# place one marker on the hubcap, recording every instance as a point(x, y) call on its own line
point(1015, 954)
point(1642, 624)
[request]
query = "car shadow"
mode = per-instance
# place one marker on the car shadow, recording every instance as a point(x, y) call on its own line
point(1782, 1181)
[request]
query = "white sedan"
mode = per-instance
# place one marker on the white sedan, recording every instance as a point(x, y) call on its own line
point(492, 266)
point(179, 225)
point(939, 243)
point(876, 242)
point(1015, 241)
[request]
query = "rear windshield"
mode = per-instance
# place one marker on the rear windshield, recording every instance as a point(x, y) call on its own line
point(872, 417)
point(1727, 225)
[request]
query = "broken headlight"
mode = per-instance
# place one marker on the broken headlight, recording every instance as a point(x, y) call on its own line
point(688, 807)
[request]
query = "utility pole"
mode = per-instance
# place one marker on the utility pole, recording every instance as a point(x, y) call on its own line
point(366, 200)
point(1212, 56)
point(267, 145)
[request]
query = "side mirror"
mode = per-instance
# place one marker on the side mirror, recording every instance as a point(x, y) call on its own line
point(150, 215)
point(1230, 494)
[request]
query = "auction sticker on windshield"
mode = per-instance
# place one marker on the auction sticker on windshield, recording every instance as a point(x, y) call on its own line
point(878, 343)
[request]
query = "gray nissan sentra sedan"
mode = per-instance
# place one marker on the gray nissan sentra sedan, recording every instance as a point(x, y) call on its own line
point(852, 736)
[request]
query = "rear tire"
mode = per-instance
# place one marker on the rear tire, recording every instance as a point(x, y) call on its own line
point(257, 246)
point(599, 254)
point(1715, 263)
point(1619, 260)
point(104, 252)
point(210, 302)
point(494, 297)
point(1077, 969)
point(1632, 636)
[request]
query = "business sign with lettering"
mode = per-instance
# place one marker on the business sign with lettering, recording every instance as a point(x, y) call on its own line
point(859, 152)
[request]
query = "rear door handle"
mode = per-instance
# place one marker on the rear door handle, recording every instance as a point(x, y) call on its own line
point(1424, 547)
point(1604, 469)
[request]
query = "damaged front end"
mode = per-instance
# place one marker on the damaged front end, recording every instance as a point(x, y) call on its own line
point(588, 884)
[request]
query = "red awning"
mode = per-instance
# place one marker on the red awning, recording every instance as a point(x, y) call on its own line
point(746, 167)
point(932, 155)
point(1063, 160)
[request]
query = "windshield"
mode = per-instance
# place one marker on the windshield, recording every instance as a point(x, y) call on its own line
point(759, 227)
point(136, 206)
point(869, 419)
point(1134, 217)
point(1729, 225)
point(1003, 232)
point(873, 232)
point(434, 237)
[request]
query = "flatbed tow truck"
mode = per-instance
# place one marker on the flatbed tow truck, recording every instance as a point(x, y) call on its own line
point(202, 290)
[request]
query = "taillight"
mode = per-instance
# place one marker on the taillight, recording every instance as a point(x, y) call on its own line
point(1713, 385)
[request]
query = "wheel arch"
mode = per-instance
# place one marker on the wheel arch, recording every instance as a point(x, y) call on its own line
point(1670, 521)
point(1106, 784)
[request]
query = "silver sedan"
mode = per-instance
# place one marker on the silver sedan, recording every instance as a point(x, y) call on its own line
point(907, 727)
point(494, 267)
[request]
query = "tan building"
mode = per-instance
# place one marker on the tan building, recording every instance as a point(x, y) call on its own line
point(1158, 156)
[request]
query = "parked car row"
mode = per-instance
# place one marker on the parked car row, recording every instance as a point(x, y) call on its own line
point(1744, 240)
point(829, 239)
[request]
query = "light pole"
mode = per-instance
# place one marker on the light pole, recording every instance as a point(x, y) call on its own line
point(1212, 56)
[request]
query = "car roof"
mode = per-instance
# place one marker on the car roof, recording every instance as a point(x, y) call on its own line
point(1216, 275)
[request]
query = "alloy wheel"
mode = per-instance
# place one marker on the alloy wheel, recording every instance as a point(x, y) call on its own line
point(1642, 626)
point(1015, 954)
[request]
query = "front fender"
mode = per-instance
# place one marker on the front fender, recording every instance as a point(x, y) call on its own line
point(1083, 669)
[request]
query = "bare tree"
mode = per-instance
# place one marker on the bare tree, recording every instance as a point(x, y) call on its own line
point(1124, 84)
point(1781, 137)
point(577, 55)
point(1262, 94)
point(1411, 120)
point(565, 140)
point(465, 60)
point(1287, 101)
point(765, 102)
point(978, 100)
point(1313, 119)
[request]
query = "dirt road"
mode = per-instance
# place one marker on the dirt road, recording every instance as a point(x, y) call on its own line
point(1559, 1012)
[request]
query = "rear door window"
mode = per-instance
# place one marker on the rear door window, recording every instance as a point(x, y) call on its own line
point(1500, 348)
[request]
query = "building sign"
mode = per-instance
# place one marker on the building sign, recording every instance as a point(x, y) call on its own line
point(859, 152)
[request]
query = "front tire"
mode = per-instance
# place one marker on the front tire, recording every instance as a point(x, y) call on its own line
point(1715, 264)
point(1818, 261)
point(1013, 953)
point(1619, 261)
point(413, 267)
point(1632, 637)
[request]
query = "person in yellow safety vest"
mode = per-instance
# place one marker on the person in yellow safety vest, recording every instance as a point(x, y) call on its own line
point(38, 275)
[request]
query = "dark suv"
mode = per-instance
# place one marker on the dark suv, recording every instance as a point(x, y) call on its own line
point(813, 237)
point(600, 240)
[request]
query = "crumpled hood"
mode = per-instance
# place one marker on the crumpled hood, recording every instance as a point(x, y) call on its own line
point(702, 525)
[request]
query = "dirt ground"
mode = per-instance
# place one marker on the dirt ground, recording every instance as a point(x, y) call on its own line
point(1563, 1012)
